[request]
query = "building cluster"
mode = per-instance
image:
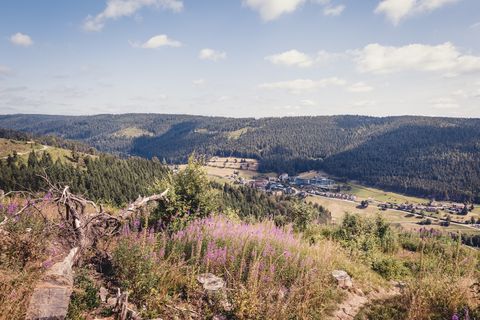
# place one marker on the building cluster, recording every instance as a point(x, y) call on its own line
point(298, 186)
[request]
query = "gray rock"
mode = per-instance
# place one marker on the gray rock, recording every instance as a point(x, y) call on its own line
point(211, 282)
point(51, 296)
point(344, 281)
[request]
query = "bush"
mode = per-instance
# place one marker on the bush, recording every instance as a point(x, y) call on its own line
point(390, 268)
point(190, 197)
point(84, 298)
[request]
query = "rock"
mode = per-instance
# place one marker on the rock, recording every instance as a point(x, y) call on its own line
point(103, 294)
point(112, 302)
point(343, 279)
point(51, 296)
point(211, 282)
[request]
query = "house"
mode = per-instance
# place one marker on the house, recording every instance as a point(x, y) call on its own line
point(322, 182)
point(301, 181)
point(260, 183)
point(283, 177)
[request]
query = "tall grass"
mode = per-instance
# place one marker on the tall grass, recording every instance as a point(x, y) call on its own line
point(270, 272)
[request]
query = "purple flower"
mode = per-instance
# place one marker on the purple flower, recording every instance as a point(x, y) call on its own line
point(12, 208)
point(136, 225)
point(47, 264)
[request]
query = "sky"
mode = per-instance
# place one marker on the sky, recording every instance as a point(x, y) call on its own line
point(241, 58)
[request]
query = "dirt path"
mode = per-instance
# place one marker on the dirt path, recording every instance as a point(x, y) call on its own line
point(355, 301)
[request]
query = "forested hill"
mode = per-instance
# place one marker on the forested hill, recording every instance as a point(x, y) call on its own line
point(426, 156)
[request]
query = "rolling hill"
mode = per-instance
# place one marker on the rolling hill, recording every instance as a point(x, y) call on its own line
point(436, 157)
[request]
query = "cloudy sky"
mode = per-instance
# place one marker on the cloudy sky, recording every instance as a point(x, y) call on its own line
point(241, 58)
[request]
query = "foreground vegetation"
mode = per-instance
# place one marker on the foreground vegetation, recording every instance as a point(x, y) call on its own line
point(275, 257)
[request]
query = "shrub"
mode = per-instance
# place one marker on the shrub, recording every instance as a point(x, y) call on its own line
point(389, 268)
point(190, 196)
point(84, 298)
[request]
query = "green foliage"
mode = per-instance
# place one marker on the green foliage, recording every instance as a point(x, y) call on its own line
point(390, 268)
point(105, 178)
point(85, 296)
point(254, 205)
point(190, 196)
point(366, 235)
point(436, 157)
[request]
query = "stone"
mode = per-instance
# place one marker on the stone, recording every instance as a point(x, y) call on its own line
point(211, 282)
point(51, 296)
point(112, 301)
point(344, 281)
point(103, 293)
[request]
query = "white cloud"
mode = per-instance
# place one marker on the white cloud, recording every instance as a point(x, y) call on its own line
point(20, 39)
point(303, 85)
point(272, 9)
point(333, 11)
point(157, 41)
point(295, 58)
point(213, 55)
point(199, 82)
point(379, 59)
point(397, 10)
point(291, 58)
point(116, 9)
point(360, 87)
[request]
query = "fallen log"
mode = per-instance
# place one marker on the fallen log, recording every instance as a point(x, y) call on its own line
point(51, 295)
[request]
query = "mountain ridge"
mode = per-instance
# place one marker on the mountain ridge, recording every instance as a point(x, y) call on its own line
point(427, 156)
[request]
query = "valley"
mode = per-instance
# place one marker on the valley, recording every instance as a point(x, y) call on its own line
point(228, 170)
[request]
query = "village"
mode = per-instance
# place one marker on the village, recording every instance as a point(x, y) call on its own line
point(319, 184)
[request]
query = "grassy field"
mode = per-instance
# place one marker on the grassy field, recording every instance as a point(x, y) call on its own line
point(339, 208)
point(363, 192)
point(233, 163)
point(21, 147)
point(132, 132)
point(24, 148)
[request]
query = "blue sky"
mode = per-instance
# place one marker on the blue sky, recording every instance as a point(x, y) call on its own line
point(240, 58)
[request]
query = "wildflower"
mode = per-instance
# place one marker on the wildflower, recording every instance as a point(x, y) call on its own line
point(47, 264)
point(136, 225)
point(12, 208)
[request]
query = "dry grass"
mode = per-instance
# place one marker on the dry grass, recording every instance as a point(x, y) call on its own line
point(21, 147)
point(270, 273)
point(233, 163)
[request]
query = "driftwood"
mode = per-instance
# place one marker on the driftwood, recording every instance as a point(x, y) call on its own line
point(86, 224)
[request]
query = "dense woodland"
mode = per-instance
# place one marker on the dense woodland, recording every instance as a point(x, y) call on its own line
point(431, 157)
point(106, 178)
point(253, 204)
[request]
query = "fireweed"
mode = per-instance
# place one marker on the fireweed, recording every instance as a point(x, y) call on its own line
point(269, 271)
